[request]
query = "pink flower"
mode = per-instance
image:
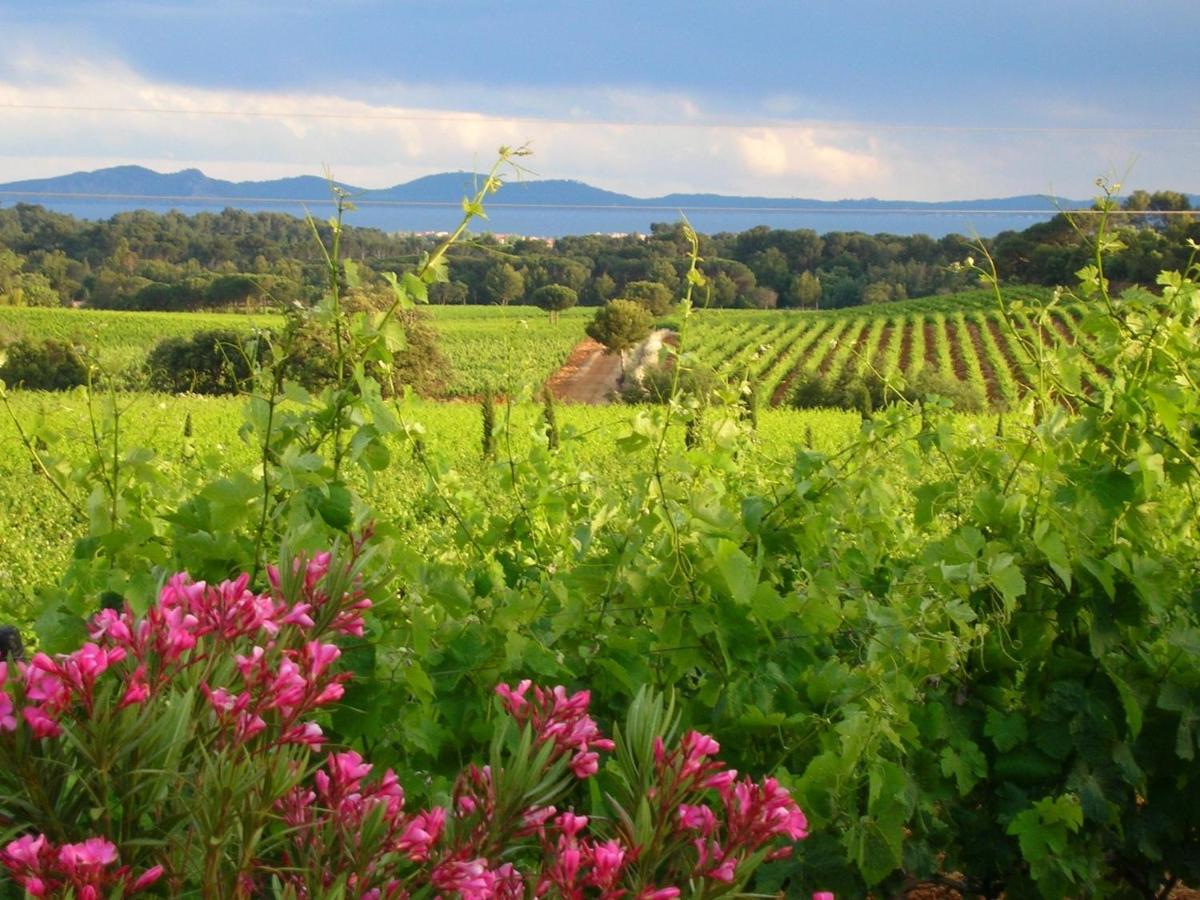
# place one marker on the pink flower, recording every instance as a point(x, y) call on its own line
point(44, 682)
point(138, 691)
point(308, 733)
point(8, 722)
point(534, 819)
point(470, 878)
point(27, 851)
point(697, 818)
point(823, 895)
point(607, 860)
point(95, 852)
point(148, 878)
point(570, 824)
point(724, 872)
point(421, 834)
point(514, 700)
point(667, 893)
point(43, 726)
point(585, 765)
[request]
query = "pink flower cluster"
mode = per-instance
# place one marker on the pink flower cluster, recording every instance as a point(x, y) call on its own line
point(86, 868)
point(50, 687)
point(753, 816)
point(555, 716)
point(191, 624)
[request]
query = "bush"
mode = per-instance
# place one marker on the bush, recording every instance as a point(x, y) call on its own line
point(864, 393)
point(312, 356)
point(48, 366)
point(650, 294)
point(620, 325)
point(930, 384)
point(208, 362)
point(656, 383)
point(868, 392)
point(204, 713)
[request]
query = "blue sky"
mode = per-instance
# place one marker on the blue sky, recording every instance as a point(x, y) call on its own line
point(917, 100)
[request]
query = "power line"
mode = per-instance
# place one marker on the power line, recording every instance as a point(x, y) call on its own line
point(213, 199)
point(477, 118)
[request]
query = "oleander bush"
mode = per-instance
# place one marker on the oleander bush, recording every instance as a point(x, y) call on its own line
point(177, 752)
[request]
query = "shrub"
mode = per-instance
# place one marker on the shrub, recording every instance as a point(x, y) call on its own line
point(868, 392)
point(620, 325)
point(49, 366)
point(312, 356)
point(930, 384)
point(178, 749)
point(208, 362)
point(700, 382)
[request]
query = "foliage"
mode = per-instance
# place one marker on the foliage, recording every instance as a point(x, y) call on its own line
point(655, 297)
point(47, 366)
point(204, 709)
point(968, 649)
point(620, 325)
point(209, 362)
point(554, 298)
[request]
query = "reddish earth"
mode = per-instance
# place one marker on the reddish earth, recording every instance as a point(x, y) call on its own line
point(885, 340)
point(780, 394)
point(906, 338)
point(985, 366)
point(1001, 339)
point(589, 375)
point(931, 357)
point(956, 357)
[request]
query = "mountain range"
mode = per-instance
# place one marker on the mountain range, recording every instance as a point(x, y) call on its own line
point(548, 208)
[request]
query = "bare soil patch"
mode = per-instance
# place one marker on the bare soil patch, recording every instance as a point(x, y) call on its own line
point(589, 375)
point(592, 375)
point(985, 366)
point(931, 356)
point(956, 357)
point(906, 338)
point(885, 340)
point(1001, 340)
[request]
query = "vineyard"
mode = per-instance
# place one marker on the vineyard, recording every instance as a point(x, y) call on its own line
point(960, 339)
point(957, 339)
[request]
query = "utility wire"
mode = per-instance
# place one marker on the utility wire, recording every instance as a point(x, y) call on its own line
point(476, 118)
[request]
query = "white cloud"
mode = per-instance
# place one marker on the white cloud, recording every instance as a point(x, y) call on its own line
point(644, 142)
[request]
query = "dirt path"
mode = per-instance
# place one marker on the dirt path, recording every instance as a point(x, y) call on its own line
point(590, 375)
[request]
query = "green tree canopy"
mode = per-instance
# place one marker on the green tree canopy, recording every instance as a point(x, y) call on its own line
point(503, 284)
point(653, 296)
point(621, 325)
point(554, 298)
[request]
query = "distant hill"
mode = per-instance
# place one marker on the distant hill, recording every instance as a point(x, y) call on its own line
point(551, 207)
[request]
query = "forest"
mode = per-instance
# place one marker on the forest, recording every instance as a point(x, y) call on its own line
point(236, 260)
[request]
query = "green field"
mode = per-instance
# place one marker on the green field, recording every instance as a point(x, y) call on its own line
point(960, 338)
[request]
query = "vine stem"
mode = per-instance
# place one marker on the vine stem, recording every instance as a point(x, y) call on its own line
point(37, 459)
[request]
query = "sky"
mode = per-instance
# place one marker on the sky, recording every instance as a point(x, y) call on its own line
point(895, 99)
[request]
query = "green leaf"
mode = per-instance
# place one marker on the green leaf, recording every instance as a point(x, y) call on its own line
point(335, 508)
point(1006, 730)
point(738, 571)
point(1007, 579)
point(877, 852)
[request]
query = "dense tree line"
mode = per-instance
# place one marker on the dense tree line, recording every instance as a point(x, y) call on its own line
point(235, 259)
